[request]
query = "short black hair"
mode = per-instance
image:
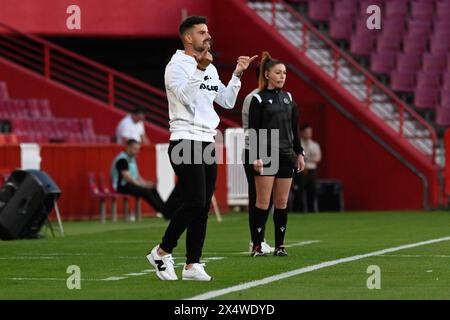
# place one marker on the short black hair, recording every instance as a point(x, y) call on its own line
point(130, 142)
point(189, 22)
point(138, 110)
point(305, 126)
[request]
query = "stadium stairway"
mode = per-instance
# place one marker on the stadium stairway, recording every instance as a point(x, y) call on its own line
point(331, 85)
point(79, 87)
point(351, 76)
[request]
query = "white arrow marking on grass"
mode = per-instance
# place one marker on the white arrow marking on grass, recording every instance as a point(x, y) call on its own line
point(255, 283)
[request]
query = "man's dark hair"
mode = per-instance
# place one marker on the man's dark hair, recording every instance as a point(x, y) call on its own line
point(138, 110)
point(130, 142)
point(189, 22)
point(305, 126)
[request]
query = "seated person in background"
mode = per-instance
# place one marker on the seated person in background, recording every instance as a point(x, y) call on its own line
point(126, 180)
point(132, 127)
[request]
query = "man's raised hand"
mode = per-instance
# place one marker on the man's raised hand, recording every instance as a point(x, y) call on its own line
point(243, 62)
point(204, 59)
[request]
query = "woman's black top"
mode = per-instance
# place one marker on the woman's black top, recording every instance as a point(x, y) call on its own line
point(275, 109)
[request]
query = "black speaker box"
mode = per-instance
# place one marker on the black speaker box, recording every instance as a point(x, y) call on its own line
point(26, 200)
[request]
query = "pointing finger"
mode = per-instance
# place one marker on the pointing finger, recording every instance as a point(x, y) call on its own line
point(253, 58)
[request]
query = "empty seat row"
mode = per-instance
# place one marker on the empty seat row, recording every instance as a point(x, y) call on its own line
point(324, 10)
point(25, 108)
point(385, 62)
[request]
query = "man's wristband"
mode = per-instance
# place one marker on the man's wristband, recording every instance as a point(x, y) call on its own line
point(200, 68)
point(239, 75)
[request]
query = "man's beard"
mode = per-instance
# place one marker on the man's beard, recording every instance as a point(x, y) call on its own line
point(206, 44)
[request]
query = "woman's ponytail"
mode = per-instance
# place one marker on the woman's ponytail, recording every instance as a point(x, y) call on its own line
point(262, 80)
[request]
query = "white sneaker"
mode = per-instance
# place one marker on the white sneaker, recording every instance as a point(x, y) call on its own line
point(163, 265)
point(265, 247)
point(197, 272)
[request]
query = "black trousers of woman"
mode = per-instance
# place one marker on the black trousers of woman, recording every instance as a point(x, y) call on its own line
point(197, 182)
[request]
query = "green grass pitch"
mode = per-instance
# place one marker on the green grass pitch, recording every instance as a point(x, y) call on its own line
point(112, 259)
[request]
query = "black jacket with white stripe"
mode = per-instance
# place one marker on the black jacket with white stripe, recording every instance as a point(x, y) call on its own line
point(275, 109)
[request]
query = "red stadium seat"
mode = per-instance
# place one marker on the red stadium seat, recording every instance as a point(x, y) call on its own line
point(396, 8)
point(434, 62)
point(3, 91)
point(409, 61)
point(341, 28)
point(428, 79)
point(426, 97)
point(389, 43)
point(422, 9)
point(345, 8)
point(383, 62)
point(415, 44)
point(104, 187)
point(403, 81)
point(96, 193)
point(320, 10)
point(443, 115)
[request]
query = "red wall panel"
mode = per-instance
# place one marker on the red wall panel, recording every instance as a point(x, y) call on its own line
point(69, 165)
point(134, 18)
point(9, 158)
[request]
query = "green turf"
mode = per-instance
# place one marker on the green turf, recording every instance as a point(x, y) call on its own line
point(113, 250)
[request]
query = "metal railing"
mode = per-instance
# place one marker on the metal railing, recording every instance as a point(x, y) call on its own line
point(83, 75)
point(345, 70)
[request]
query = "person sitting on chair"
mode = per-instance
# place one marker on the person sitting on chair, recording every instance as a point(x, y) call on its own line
point(126, 179)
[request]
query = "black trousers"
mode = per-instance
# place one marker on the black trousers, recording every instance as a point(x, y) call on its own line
point(152, 197)
point(307, 186)
point(197, 182)
point(249, 174)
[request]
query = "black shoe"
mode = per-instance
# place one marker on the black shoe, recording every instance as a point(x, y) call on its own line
point(280, 252)
point(257, 252)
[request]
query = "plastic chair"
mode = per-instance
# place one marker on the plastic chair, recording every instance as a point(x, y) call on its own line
point(403, 81)
point(426, 98)
point(114, 196)
point(96, 193)
point(382, 62)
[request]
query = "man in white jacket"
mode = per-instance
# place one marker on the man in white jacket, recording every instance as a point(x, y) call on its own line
point(192, 85)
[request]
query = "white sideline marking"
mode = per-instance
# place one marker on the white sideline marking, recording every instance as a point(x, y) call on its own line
point(27, 258)
point(415, 255)
point(61, 254)
point(255, 283)
point(112, 278)
point(49, 279)
point(303, 243)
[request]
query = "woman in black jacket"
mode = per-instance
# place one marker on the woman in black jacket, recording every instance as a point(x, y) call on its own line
point(275, 150)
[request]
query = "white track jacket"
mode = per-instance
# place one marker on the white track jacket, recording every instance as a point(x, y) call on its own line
point(191, 93)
